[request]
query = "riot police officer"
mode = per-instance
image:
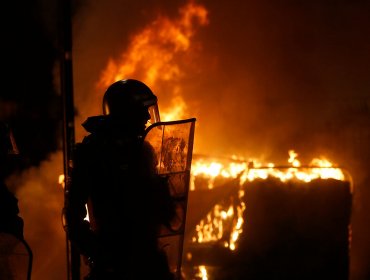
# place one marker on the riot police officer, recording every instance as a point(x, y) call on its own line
point(114, 176)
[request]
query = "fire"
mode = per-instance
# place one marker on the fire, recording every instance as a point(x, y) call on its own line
point(202, 273)
point(61, 181)
point(179, 107)
point(152, 56)
point(249, 170)
point(213, 169)
point(211, 228)
point(151, 52)
point(155, 54)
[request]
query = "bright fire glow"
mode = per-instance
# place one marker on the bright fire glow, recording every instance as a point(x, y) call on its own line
point(61, 181)
point(225, 216)
point(202, 273)
point(154, 55)
point(250, 170)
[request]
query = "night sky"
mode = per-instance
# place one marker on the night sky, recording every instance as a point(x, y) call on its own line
point(261, 77)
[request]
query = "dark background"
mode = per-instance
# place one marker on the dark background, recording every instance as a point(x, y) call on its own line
point(29, 100)
point(267, 76)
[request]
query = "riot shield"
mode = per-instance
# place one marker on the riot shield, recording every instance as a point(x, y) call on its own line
point(15, 258)
point(173, 145)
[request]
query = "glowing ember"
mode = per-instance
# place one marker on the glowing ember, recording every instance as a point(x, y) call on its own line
point(61, 180)
point(202, 273)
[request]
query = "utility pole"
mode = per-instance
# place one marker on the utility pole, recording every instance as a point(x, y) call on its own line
point(66, 81)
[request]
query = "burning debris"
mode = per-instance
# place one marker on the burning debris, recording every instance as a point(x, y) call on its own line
point(286, 223)
point(147, 59)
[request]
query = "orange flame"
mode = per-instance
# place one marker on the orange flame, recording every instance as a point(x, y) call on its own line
point(153, 54)
point(202, 273)
point(61, 181)
point(211, 228)
point(249, 170)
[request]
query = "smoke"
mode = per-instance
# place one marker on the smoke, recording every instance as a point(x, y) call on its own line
point(40, 199)
point(261, 78)
point(257, 66)
point(155, 52)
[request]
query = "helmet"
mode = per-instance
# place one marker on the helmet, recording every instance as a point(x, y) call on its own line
point(130, 100)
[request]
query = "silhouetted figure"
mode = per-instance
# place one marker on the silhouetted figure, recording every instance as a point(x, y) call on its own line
point(10, 221)
point(15, 254)
point(114, 175)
